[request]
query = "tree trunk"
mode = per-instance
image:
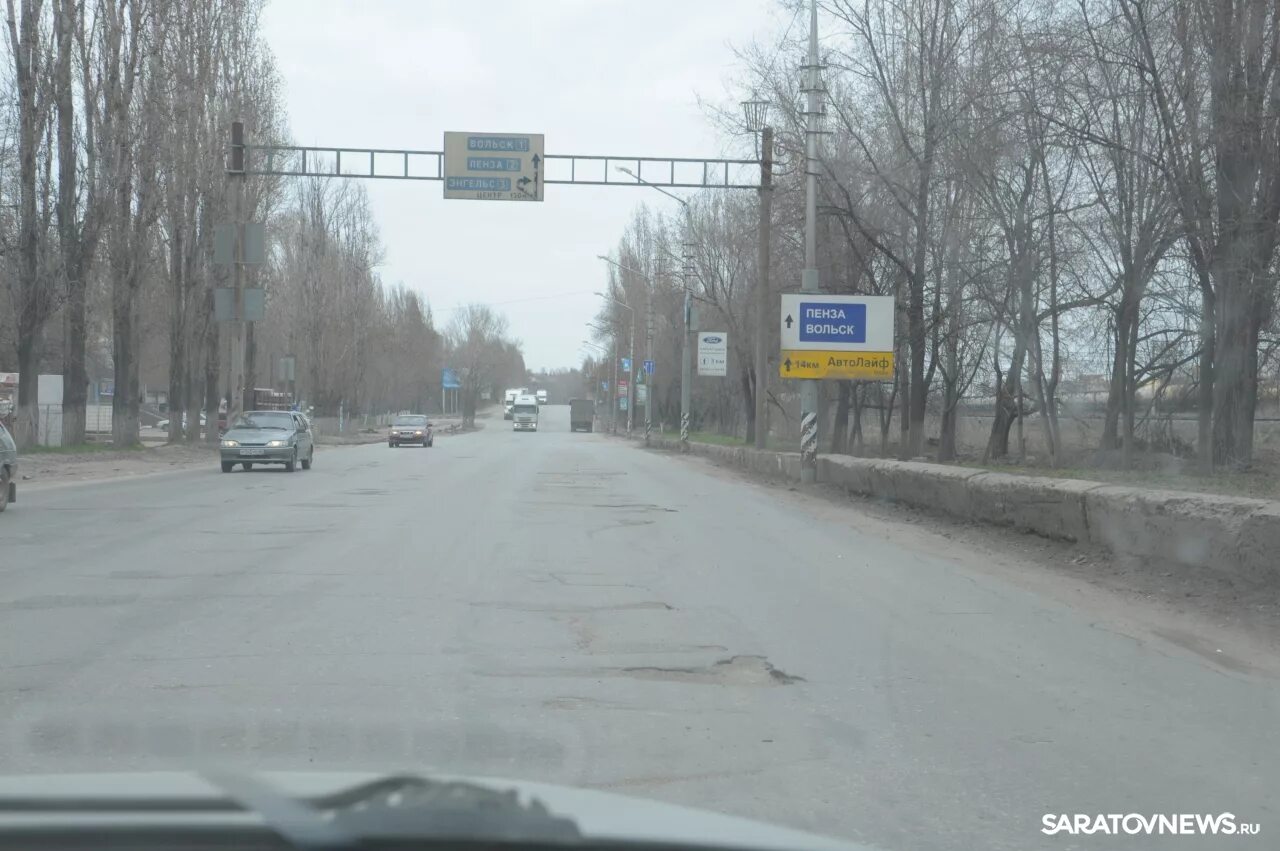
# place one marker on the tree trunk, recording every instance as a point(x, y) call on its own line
point(1116, 384)
point(914, 428)
point(950, 417)
point(126, 402)
point(749, 401)
point(840, 429)
point(1008, 405)
point(250, 370)
point(26, 53)
point(1205, 394)
point(211, 361)
point(75, 378)
point(905, 389)
point(856, 438)
point(1130, 393)
point(1235, 379)
point(177, 337)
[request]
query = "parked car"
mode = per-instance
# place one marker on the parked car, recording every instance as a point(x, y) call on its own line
point(410, 428)
point(268, 437)
point(8, 469)
point(164, 424)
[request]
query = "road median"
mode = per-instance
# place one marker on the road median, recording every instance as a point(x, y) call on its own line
point(1234, 536)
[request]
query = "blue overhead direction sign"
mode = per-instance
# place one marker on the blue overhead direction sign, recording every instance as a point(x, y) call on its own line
point(503, 144)
point(494, 164)
point(479, 184)
point(825, 322)
point(832, 322)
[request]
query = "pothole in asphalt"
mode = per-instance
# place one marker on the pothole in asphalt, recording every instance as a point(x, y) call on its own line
point(734, 671)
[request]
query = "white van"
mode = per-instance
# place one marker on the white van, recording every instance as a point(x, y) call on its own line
point(525, 413)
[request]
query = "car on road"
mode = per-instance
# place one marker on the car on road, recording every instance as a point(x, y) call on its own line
point(412, 429)
point(8, 468)
point(268, 437)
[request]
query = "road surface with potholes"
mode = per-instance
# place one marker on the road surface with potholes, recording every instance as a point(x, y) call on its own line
point(564, 607)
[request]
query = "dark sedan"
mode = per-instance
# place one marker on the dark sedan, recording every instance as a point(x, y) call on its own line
point(410, 428)
point(268, 437)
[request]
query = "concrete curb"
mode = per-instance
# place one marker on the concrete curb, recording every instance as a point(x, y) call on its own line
point(1234, 536)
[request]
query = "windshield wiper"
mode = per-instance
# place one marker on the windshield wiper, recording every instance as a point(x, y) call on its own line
point(400, 807)
point(387, 811)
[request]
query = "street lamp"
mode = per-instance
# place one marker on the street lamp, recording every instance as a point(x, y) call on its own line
point(631, 358)
point(686, 351)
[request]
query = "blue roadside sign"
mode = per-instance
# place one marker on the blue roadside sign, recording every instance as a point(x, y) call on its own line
point(648, 367)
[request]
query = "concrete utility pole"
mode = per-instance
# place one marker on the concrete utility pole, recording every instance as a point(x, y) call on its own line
point(809, 278)
point(631, 374)
point(762, 288)
point(686, 351)
point(648, 377)
point(613, 390)
point(236, 176)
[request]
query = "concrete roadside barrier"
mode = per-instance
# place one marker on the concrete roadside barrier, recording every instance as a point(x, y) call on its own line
point(1234, 536)
point(1054, 508)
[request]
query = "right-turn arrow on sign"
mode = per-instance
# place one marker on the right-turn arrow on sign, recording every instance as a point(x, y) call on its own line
point(818, 331)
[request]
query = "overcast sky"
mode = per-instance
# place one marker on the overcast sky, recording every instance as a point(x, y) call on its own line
point(618, 77)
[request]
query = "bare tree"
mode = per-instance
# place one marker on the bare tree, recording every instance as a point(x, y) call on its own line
point(29, 49)
point(1212, 72)
point(481, 353)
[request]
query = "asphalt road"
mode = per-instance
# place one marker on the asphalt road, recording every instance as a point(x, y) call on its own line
point(564, 607)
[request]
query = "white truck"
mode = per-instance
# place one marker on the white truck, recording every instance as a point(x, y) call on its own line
point(525, 413)
point(508, 402)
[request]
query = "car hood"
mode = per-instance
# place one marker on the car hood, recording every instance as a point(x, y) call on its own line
point(599, 816)
point(255, 434)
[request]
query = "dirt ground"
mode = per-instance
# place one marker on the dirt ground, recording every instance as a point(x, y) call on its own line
point(43, 467)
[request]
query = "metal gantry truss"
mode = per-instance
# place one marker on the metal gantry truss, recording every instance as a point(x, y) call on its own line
point(563, 169)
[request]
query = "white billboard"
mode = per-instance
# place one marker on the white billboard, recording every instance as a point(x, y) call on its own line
point(713, 353)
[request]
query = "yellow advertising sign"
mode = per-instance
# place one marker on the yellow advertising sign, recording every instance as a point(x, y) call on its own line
point(867, 366)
